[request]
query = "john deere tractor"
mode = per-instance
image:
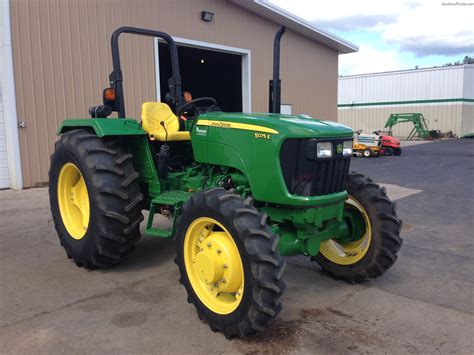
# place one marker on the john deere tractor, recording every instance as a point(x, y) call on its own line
point(240, 191)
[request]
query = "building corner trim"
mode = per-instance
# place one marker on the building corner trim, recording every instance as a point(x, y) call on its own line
point(9, 98)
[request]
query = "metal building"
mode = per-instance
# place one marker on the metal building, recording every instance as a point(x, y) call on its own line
point(61, 62)
point(444, 95)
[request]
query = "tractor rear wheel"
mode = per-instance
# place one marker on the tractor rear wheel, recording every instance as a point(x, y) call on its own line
point(95, 199)
point(375, 235)
point(229, 263)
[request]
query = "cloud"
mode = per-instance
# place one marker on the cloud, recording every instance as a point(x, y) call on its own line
point(421, 27)
point(354, 22)
point(346, 14)
point(422, 47)
point(369, 60)
point(433, 29)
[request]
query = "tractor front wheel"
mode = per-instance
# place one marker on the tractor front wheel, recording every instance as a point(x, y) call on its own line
point(371, 247)
point(229, 263)
point(95, 199)
point(397, 151)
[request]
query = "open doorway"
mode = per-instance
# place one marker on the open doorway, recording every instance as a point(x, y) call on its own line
point(208, 70)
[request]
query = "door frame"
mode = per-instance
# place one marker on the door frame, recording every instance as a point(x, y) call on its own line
point(246, 65)
point(9, 100)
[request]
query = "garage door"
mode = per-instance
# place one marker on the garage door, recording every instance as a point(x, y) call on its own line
point(4, 179)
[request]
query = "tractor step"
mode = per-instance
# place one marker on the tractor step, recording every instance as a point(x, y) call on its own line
point(173, 198)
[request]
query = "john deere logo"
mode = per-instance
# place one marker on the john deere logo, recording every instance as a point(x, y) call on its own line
point(339, 148)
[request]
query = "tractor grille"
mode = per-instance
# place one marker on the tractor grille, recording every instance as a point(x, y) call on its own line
point(307, 175)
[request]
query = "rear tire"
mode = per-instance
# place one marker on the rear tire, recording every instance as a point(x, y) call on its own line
point(388, 151)
point(384, 241)
point(114, 199)
point(261, 266)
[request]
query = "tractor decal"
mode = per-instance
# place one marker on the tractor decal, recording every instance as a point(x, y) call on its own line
point(235, 125)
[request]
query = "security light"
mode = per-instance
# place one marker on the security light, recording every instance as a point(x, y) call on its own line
point(207, 16)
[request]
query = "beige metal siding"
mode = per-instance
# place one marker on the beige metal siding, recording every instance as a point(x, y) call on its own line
point(62, 61)
point(467, 124)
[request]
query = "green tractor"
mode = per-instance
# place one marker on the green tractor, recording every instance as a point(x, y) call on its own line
point(240, 190)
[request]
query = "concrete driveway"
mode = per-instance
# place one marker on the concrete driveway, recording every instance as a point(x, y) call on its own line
point(424, 304)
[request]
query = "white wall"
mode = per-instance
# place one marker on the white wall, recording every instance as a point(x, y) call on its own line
point(4, 175)
point(420, 84)
point(467, 125)
point(468, 91)
point(444, 96)
point(9, 154)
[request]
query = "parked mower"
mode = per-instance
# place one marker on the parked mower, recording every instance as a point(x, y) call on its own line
point(241, 190)
point(389, 145)
point(366, 145)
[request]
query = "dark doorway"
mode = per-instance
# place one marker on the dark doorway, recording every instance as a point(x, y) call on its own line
point(206, 73)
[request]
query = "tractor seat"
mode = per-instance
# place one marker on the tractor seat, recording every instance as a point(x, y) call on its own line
point(153, 113)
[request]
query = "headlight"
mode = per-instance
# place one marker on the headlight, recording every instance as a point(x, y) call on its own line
point(347, 148)
point(324, 150)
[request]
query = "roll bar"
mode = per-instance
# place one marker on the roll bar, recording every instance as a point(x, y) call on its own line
point(174, 82)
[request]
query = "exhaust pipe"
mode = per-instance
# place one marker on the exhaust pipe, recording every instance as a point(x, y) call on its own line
point(275, 84)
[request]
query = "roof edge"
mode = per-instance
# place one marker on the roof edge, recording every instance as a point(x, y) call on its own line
point(276, 14)
point(406, 71)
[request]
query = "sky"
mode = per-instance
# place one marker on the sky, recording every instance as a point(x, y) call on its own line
point(392, 34)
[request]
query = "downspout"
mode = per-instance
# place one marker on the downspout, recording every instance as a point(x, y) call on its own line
point(9, 100)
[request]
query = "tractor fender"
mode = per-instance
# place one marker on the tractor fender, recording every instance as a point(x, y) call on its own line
point(103, 126)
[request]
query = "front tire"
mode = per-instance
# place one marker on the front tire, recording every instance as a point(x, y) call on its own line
point(397, 151)
point(375, 251)
point(229, 263)
point(95, 199)
point(368, 153)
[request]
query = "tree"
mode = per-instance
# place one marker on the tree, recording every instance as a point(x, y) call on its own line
point(467, 60)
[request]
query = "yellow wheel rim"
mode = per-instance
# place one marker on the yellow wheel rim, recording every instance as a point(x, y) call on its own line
point(73, 200)
point(213, 265)
point(352, 252)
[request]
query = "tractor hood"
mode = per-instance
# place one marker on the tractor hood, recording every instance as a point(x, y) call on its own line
point(252, 144)
point(285, 125)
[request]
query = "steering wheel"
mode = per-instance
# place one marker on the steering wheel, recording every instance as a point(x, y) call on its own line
point(194, 104)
